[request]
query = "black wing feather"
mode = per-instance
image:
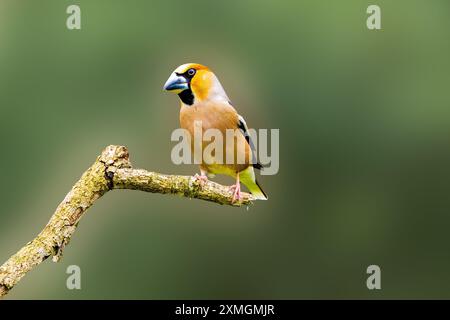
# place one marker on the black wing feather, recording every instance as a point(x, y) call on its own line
point(244, 129)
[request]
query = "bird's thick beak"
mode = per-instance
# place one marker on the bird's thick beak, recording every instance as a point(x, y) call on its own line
point(176, 83)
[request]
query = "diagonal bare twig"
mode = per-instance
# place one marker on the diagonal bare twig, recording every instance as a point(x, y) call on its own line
point(111, 170)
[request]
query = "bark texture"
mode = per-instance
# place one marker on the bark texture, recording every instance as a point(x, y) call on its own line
point(111, 170)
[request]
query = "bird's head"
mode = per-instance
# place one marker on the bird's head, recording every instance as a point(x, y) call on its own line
point(195, 83)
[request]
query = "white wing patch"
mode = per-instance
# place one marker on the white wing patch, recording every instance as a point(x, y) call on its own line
point(242, 125)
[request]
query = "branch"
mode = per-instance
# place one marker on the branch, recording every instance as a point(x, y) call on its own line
point(111, 170)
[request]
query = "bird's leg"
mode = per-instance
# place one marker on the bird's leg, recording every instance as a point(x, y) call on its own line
point(202, 178)
point(236, 188)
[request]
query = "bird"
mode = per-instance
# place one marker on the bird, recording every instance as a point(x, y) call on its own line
point(204, 99)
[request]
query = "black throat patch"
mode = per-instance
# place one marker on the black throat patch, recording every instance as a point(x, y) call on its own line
point(187, 97)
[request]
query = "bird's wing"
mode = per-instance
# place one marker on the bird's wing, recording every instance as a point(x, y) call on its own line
point(242, 125)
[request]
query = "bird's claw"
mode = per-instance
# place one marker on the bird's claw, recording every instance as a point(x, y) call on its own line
point(236, 189)
point(201, 179)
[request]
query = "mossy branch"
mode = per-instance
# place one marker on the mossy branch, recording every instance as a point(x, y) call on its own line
point(111, 170)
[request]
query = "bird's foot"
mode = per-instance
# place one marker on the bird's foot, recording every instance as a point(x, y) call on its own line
point(236, 189)
point(201, 179)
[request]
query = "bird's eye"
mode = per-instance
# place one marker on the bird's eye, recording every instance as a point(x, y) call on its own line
point(191, 72)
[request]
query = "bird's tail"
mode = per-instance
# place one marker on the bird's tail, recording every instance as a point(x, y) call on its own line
point(256, 190)
point(248, 178)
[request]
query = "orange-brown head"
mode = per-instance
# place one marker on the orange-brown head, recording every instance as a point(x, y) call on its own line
point(195, 83)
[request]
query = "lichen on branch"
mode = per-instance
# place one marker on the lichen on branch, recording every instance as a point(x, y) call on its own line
point(111, 170)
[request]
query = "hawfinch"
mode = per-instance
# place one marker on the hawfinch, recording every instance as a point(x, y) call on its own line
point(204, 102)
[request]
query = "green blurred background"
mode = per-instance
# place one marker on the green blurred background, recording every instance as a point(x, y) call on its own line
point(364, 119)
